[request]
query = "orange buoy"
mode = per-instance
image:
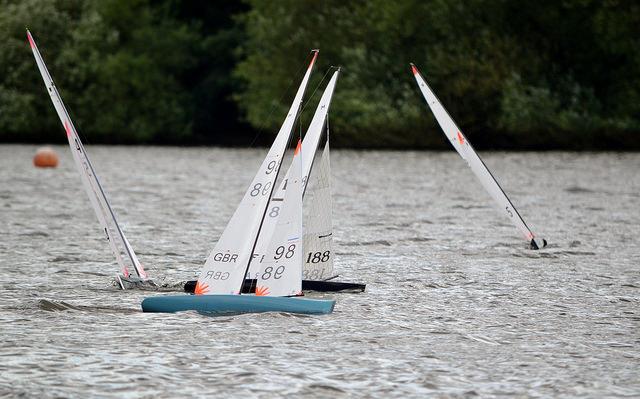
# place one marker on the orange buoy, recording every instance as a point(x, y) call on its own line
point(45, 157)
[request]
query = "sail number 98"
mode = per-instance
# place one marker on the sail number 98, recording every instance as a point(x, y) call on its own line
point(271, 167)
point(317, 257)
point(286, 252)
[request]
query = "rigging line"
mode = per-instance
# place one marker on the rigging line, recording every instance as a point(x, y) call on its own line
point(304, 106)
point(298, 120)
point(304, 191)
point(274, 104)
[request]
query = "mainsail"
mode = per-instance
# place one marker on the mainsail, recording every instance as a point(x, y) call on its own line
point(227, 265)
point(466, 151)
point(318, 233)
point(119, 244)
point(281, 271)
point(309, 148)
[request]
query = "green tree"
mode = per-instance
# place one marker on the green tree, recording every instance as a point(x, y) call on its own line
point(130, 60)
point(377, 102)
point(119, 66)
point(544, 74)
point(26, 113)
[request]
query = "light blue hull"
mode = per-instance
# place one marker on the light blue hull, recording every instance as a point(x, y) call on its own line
point(226, 304)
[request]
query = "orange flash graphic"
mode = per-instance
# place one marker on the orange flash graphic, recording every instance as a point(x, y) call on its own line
point(201, 288)
point(262, 291)
point(460, 138)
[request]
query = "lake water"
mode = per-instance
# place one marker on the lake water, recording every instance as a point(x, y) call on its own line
point(455, 305)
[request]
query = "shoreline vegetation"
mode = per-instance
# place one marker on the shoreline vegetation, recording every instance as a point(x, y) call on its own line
point(516, 76)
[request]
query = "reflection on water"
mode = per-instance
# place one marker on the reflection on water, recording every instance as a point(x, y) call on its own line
point(455, 304)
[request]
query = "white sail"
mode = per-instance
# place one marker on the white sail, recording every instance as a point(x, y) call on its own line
point(466, 151)
point(106, 217)
point(226, 266)
point(281, 271)
point(318, 232)
point(309, 147)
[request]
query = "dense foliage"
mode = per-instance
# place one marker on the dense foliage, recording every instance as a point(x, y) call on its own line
point(522, 75)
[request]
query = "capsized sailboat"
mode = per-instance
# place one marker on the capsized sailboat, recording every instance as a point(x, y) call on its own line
point(220, 283)
point(122, 250)
point(466, 151)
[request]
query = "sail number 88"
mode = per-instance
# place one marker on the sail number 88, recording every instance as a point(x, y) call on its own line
point(268, 273)
point(259, 188)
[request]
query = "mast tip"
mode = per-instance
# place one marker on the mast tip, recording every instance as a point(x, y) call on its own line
point(31, 43)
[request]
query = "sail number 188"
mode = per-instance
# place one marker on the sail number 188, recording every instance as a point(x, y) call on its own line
point(317, 257)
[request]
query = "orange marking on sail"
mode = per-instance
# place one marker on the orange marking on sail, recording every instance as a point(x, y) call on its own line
point(67, 128)
point(460, 138)
point(201, 288)
point(414, 69)
point(315, 55)
point(298, 147)
point(262, 291)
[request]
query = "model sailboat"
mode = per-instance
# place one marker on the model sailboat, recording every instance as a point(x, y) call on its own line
point(220, 283)
point(318, 267)
point(466, 151)
point(309, 145)
point(118, 242)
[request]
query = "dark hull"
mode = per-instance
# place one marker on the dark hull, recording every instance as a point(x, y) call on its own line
point(307, 285)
